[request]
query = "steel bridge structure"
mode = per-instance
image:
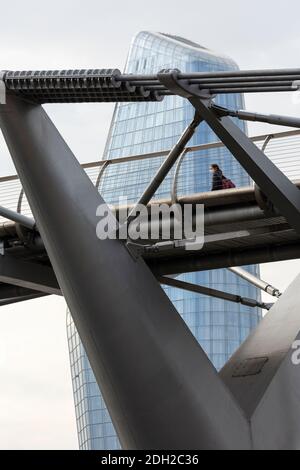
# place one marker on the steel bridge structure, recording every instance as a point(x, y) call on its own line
point(172, 397)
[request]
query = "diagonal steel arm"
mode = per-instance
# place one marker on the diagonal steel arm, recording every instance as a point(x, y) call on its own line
point(276, 186)
point(159, 386)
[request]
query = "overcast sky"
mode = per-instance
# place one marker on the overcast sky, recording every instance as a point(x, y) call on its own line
point(36, 403)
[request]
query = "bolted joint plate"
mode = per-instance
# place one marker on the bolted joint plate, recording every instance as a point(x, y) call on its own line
point(182, 87)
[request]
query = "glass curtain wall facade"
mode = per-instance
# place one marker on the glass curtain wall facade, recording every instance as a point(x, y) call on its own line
point(141, 128)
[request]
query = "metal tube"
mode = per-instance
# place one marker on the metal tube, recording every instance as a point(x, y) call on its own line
point(167, 165)
point(232, 215)
point(240, 73)
point(212, 217)
point(268, 118)
point(176, 176)
point(240, 84)
point(9, 291)
point(265, 286)
point(213, 75)
point(119, 309)
point(18, 218)
point(260, 89)
point(135, 78)
point(74, 86)
point(147, 83)
point(17, 300)
point(247, 79)
point(266, 142)
point(103, 85)
point(224, 91)
point(158, 87)
point(195, 263)
point(212, 292)
point(12, 294)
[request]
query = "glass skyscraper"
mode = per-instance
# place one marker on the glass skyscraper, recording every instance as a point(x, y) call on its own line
point(142, 128)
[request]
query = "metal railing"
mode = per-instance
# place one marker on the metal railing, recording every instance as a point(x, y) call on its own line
point(282, 148)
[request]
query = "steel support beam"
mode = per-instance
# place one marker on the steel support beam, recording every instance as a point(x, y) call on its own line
point(167, 165)
point(168, 281)
point(16, 300)
point(18, 218)
point(268, 118)
point(276, 186)
point(29, 275)
point(171, 398)
point(10, 294)
point(264, 376)
point(265, 286)
point(167, 266)
point(103, 85)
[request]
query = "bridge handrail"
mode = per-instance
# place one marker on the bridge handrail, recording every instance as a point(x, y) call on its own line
point(104, 164)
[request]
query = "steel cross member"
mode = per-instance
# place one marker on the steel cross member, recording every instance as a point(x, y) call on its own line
point(284, 195)
point(159, 386)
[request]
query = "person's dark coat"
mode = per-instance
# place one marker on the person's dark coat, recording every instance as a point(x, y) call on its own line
point(217, 184)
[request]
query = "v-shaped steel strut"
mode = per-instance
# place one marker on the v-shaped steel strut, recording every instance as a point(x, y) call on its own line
point(160, 388)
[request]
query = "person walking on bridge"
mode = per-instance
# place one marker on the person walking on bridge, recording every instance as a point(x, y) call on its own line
point(219, 181)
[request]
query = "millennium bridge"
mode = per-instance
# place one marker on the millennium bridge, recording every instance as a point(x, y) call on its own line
point(113, 286)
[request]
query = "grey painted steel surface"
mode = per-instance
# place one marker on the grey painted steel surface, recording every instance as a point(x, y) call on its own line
point(119, 309)
point(75, 86)
point(268, 118)
point(265, 286)
point(10, 294)
point(265, 380)
point(108, 85)
point(197, 262)
point(236, 75)
point(168, 281)
point(17, 217)
point(253, 403)
point(275, 185)
point(29, 275)
point(265, 238)
point(168, 164)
